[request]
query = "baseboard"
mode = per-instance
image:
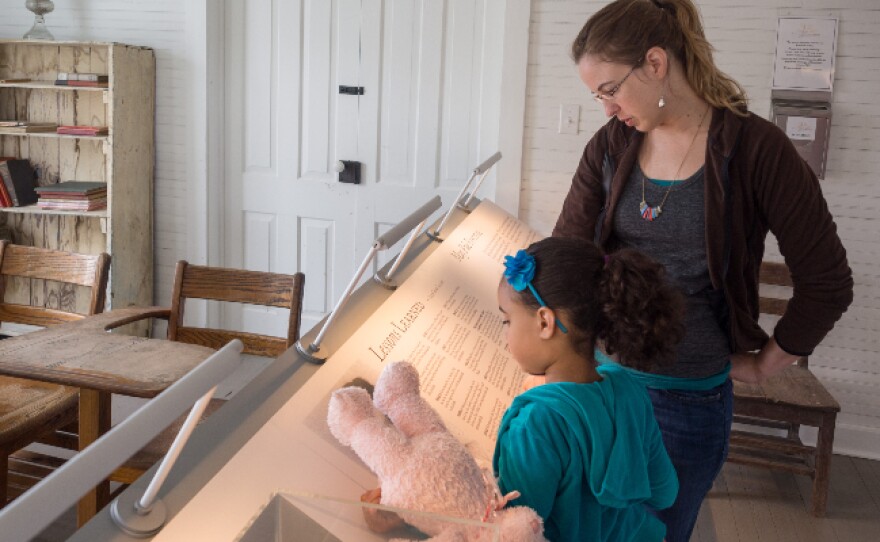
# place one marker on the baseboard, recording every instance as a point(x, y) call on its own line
point(856, 441)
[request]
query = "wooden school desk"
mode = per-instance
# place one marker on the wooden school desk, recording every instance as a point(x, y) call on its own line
point(83, 354)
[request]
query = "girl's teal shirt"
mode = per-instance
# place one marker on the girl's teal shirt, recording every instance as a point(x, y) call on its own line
point(588, 458)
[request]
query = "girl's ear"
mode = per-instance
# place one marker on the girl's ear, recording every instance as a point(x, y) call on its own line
point(547, 322)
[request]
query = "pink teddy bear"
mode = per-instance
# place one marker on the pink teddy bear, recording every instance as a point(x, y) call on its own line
point(421, 466)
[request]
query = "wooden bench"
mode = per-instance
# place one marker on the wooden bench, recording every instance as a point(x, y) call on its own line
point(784, 402)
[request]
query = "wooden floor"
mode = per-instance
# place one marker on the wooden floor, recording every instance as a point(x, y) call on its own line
point(750, 505)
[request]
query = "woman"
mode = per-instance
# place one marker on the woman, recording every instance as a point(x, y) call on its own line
point(686, 174)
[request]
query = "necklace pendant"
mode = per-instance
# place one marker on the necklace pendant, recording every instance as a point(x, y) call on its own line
point(649, 213)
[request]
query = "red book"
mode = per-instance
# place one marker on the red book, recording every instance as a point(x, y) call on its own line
point(82, 130)
point(5, 200)
point(71, 83)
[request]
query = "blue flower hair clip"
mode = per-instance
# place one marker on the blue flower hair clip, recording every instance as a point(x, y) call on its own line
point(519, 270)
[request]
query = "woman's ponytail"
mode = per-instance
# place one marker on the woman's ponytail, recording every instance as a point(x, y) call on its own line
point(695, 53)
point(641, 312)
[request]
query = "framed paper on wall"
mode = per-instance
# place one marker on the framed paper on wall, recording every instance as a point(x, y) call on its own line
point(805, 51)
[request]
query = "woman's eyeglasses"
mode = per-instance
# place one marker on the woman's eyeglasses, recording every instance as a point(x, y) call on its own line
point(602, 97)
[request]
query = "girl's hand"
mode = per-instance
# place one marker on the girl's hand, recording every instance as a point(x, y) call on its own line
point(755, 367)
point(373, 496)
point(379, 521)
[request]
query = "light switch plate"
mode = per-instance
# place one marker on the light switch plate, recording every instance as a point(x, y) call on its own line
point(569, 118)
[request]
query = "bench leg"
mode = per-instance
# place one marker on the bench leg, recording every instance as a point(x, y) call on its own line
point(824, 448)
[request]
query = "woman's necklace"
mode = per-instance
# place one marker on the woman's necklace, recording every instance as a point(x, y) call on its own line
point(650, 213)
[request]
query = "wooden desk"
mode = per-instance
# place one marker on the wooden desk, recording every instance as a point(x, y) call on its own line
point(83, 354)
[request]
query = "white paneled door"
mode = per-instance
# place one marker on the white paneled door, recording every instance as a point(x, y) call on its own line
point(425, 111)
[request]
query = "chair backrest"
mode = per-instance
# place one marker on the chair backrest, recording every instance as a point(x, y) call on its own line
point(776, 274)
point(237, 286)
point(40, 264)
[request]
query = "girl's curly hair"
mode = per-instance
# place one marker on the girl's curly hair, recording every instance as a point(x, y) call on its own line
point(623, 300)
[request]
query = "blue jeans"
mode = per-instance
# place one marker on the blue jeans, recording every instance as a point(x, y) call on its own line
point(696, 431)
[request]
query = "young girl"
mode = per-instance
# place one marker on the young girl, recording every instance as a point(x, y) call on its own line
point(584, 449)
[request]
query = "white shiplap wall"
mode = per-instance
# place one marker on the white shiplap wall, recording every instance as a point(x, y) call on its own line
point(162, 25)
point(744, 34)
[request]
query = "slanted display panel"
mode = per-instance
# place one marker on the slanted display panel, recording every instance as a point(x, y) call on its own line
point(444, 319)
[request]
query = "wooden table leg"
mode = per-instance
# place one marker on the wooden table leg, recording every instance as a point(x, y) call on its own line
point(94, 421)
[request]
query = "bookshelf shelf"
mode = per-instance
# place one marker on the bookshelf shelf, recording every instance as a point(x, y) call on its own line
point(123, 160)
point(52, 135)
point(34, 210)
point(49, 85)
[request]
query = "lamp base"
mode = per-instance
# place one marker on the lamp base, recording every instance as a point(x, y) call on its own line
point(39, 31)
point(434, 236)
point(311, 354)
point(388, 284)
point(133, 523)
point(466, 208)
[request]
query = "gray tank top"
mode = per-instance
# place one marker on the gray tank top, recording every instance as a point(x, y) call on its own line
point(677, 239)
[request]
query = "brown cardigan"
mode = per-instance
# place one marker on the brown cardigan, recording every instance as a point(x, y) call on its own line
point(755, 182)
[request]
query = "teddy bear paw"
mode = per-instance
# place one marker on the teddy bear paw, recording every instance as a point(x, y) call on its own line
point(397, 380)
point(348, 407)
point(520, 524)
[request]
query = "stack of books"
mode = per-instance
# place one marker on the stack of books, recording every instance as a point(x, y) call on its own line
point(82, 130)
point(17, 183)
point(73, 196)
point(26, 127)
point(82, 80)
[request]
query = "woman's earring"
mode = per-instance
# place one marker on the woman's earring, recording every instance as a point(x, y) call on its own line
point(662, 103)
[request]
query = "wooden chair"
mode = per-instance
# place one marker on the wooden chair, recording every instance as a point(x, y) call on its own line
point(784, 402)
point(228, 285)
point(209, 283)
point(31, 410)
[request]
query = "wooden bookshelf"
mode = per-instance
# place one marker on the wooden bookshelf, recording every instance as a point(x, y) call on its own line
point(123, 159)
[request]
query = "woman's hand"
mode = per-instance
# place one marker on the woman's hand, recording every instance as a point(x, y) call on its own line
point(755, 367)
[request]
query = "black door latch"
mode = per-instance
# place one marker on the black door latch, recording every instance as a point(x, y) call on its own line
point(349, 171)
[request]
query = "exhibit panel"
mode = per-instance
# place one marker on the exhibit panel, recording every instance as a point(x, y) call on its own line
point(271, 439)
point(444, 320)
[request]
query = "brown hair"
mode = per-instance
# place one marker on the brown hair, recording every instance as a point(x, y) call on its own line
point(624, 30)
point(626, 303)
